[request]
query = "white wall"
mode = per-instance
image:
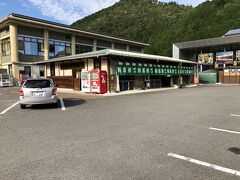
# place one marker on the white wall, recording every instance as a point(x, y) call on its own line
point(57, 69)
point(104, 65)
point(68, 72)
point(175, 53)
point(35, 72)
point(90, 65)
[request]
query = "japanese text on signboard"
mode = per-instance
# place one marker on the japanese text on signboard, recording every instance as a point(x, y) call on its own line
point(126, 68)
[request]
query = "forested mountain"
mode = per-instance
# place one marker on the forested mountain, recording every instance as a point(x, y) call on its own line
point(161, 24)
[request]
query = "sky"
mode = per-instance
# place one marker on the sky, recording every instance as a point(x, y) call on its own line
point(63, 11)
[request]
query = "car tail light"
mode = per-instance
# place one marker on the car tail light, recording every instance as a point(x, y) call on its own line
point(21, 93)
point(54, 91)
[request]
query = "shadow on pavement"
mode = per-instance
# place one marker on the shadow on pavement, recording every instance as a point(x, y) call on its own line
point(234, 150)
point(69, 102)
point(45, 106)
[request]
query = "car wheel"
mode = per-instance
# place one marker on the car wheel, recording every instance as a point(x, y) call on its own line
point(23, 106)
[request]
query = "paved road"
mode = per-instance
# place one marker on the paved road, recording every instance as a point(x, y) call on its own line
point(124, 137)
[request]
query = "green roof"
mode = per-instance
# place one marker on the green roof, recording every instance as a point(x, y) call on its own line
point(111, 52)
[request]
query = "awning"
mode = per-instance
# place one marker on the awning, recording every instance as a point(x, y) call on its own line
point(111, 52)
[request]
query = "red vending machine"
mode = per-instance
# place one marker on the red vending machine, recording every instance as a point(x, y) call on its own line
point(98, 81)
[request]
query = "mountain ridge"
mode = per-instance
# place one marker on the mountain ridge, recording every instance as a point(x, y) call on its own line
point(162, 24)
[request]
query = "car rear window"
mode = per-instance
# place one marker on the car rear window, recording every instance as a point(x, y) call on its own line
point(37, 84)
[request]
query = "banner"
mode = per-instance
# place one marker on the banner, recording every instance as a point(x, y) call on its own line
point(140, 69)
point(205, 58)
point(222, 57)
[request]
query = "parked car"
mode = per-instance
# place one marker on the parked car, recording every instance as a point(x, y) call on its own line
point(38, 91)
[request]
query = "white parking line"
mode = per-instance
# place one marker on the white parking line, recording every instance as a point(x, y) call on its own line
point(62, 104)
point(224, 130)
point(8, 100)
point(10, 107)
point(234, 115)
point(212, 166)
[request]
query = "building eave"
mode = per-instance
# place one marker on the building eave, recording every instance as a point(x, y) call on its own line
point(224, 40)
point(111, 52)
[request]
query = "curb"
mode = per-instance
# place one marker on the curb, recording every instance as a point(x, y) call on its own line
point(63, 90)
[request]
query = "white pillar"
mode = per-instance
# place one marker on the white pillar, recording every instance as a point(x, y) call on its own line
point(94, 45)
point(14, 52)
point(13, 43)
point(73, 45)
point(175, 52)
point(118, 85)
point(127, 47)
point(46, 44)
point(0, 54)
point(90, 64)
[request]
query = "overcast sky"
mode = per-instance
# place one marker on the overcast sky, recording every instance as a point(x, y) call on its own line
point(63, 11)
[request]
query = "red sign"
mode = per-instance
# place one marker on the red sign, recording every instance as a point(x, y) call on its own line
point(103, 87)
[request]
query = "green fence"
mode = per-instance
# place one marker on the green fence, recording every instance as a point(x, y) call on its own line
point(208, 77)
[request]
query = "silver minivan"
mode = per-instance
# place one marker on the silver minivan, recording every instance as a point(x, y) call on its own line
point(37, 91)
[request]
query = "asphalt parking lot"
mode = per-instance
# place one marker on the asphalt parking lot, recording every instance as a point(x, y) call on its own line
point(190, 133)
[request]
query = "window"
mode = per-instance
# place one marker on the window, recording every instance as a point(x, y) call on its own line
point(41, 71)
point(100, 48)
point(52, 69)
point(103, 45)
point(40, 49)
point(80, 48)
point(119, 46)
point(59, 49)
point(135, 49)
point(27, 70)
point(97, 63)
point(37, 84)
point(51, 49)
point(6, 50)
point(30, 46)
point(21, 47)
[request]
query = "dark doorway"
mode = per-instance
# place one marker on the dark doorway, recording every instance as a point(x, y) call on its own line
point(126, 83)
point(165, 81)
point(155, 81)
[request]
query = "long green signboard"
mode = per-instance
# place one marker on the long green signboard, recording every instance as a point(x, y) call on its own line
point(126, 68)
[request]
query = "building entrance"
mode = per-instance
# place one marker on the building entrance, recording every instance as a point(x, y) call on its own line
point(126, 83)
point(165, 81)
point(76, 79)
